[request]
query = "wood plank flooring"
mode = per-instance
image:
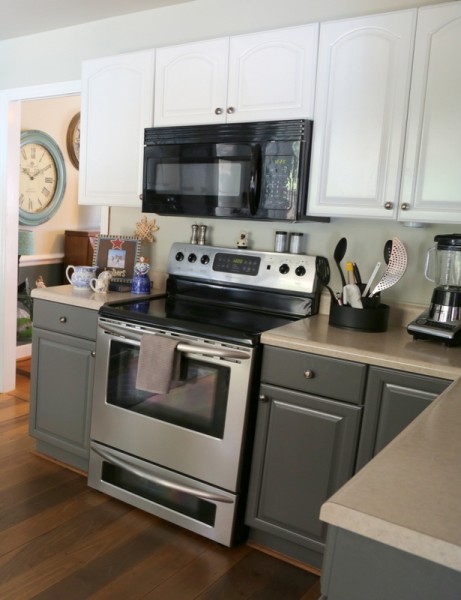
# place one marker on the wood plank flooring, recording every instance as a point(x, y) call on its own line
point(61, 540)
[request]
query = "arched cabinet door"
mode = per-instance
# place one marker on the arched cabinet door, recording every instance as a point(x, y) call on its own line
point(116, 106)
point(272, 74)
point(431, 187)
point(191, 83)
point(363, 81)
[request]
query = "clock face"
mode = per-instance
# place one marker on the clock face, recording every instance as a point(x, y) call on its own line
point(42, 177)
point(38, 178)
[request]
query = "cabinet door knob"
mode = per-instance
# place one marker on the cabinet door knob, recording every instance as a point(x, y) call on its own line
point(63, 319)
point(405, 206)
point(230, 110)
point(218, 111)
point(389, 205)
point(93, 354)
point(309, 374)
point(263, 398)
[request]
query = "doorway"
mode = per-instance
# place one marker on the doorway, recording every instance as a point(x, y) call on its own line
point(10, 129)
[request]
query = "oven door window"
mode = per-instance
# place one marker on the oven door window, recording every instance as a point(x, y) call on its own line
point(197, 399)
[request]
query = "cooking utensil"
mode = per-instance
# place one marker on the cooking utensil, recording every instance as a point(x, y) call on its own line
point(350, 273)
point(338, 255)
point(358, 278)
point(387, 251)
point(322, 270)
point(351, 295)
point(395, 269)
point(370, 280)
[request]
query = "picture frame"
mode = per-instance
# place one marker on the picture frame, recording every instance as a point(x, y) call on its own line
point(118, 254)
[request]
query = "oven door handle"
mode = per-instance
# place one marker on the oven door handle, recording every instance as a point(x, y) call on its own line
point(146, 474)
point(182, 346)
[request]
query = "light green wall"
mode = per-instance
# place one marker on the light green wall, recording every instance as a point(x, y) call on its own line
point(56, 56)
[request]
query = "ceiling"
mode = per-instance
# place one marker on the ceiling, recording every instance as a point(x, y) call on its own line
point(26, 17)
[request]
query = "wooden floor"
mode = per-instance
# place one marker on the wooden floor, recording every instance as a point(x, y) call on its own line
point(61, 540)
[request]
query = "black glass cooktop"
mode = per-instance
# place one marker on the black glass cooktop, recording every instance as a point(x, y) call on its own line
point(213, 320)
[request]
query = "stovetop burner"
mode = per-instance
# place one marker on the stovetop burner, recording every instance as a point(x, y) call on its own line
point(225, 294)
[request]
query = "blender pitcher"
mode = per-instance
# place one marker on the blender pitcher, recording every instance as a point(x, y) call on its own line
point(443, 267)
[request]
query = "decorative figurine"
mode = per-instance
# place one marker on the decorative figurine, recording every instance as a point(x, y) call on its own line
point(242, 242)
point(101, 284)
point(141, 281)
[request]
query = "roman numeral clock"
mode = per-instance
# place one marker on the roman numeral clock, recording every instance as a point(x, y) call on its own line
point(42, 180)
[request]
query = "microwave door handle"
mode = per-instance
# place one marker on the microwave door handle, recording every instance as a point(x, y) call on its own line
point(181, 347)
point(255, 180)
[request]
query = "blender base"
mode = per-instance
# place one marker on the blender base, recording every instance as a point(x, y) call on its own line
point(425, 328)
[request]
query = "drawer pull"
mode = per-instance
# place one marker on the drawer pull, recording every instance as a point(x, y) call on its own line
point(309, 374)
point(63, 319)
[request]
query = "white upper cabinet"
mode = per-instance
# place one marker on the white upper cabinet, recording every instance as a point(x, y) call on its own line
point(361, 100)
point(431, 188)
point(116, 105)
point(272, 75)
point(262, 76)
point(191, 83)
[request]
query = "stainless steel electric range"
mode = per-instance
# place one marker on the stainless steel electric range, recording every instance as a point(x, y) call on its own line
point(183, 453)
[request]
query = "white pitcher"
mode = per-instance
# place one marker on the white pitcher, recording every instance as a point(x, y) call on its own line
point(81, 276)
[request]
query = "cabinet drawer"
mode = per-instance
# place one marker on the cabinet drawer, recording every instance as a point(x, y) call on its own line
point(72, 320)
point(320, 375)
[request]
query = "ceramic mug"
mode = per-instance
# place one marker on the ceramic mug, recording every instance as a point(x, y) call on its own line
point(101, 284)
point(81, 276)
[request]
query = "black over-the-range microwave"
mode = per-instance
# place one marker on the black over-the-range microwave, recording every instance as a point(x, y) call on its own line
point(256, 170)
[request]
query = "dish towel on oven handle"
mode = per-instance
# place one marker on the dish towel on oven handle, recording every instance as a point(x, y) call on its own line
point(157, 364)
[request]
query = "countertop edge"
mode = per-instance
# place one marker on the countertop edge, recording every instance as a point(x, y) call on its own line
point(86, 298)
point(380, 530)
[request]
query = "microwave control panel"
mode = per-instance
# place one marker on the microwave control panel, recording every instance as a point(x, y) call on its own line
point(279, 179)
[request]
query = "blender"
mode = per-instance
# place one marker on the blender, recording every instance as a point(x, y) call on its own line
point(442, 320)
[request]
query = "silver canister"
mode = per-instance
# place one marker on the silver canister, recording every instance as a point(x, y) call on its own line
point(194, 234)
point(281, 240)
point(296, 243)
point(202, 235)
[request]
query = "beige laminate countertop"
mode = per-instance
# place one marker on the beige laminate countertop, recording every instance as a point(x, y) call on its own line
point(394, 349)
point(409, 495)
point(86, 298)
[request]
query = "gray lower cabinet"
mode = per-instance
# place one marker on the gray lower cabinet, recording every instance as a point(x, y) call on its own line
point(63, 349)
point(364, 569)
point(392, 400)
point(304, 448)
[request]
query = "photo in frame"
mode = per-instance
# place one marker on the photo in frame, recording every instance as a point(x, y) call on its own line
point(117, 254)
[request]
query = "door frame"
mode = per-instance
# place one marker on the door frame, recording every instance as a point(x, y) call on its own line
point(10, 130)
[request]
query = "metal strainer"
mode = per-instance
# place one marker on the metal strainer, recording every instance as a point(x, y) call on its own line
point(395, 269)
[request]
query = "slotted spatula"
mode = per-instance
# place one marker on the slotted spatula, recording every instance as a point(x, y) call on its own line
point(395, 269)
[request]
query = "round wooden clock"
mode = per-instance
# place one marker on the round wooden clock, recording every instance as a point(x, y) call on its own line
point(42, 181)
point(73, 140)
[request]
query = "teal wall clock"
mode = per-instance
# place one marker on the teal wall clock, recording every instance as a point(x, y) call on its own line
point(42, 180)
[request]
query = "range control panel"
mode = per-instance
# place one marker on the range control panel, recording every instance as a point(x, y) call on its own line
point(269, 270)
